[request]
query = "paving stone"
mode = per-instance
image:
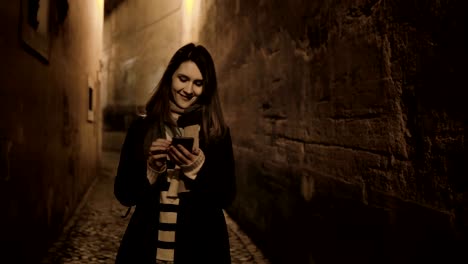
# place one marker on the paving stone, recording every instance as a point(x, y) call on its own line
point(93, 234)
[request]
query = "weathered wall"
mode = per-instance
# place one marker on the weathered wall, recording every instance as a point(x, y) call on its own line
point(349, 126)
point(136, 51)
point(54, 151)
point(139, 39)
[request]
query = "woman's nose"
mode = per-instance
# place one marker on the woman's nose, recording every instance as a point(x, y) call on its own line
point(188, 89)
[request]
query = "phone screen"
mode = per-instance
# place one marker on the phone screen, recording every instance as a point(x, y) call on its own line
point(187, 142)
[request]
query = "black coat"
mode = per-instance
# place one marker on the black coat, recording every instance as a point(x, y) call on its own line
point(201, 234)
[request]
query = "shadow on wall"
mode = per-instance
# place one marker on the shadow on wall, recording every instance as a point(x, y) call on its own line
point(119, 117)
point(110, 5)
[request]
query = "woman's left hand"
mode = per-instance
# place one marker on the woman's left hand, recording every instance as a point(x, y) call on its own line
point(181, 156)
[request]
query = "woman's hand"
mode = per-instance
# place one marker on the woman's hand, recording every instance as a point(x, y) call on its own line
point(158, 153)
point(181, 156)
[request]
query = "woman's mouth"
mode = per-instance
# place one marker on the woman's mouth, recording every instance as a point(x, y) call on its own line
point(186, 98)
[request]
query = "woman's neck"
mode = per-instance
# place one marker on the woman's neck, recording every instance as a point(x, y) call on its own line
point(175, 116)
point(176, 111)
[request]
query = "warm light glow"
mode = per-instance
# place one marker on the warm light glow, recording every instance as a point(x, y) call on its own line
point(100, 4)
point(190, 20)
point(189, 6)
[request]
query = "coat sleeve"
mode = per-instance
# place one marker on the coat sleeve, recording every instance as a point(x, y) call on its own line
point(215, 183)
point(131, 183)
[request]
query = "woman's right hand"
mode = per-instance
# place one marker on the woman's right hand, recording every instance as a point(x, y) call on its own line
point(158, 153)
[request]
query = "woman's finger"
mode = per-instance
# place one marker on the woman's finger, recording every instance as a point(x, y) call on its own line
point(160, 144)
point(196, 152)
point(157, 150)
point(186, 153)
point(178, 156)
point(160, 148)
point(174, 158)
point(161, 141)
point(159, 156)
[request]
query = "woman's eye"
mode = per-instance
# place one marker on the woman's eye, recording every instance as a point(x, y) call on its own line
point(198, 83)
point(183, 79)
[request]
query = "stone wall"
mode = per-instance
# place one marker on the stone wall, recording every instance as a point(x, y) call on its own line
point(139, 39)
point(348, 125)
point(49, 150)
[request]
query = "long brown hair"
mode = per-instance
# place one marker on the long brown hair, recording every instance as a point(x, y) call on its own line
point(158, 107)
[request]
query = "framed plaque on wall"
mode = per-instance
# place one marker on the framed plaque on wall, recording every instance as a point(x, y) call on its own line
point(35, 25)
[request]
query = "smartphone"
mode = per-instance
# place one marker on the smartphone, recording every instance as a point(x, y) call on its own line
point(187, 142)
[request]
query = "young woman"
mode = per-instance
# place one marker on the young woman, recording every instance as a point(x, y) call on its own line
point(179, 193)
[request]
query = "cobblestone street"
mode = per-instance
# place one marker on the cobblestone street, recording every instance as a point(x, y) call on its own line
point(93, 234)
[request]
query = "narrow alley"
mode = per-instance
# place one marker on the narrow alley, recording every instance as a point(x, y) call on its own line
point(329, 131)
point(94, 232)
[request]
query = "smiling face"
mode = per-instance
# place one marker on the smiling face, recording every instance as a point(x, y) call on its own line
point(187, 84)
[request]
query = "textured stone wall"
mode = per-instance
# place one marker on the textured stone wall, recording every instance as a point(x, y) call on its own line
point(349, 126)
point(49, 151)
point(139, 39)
